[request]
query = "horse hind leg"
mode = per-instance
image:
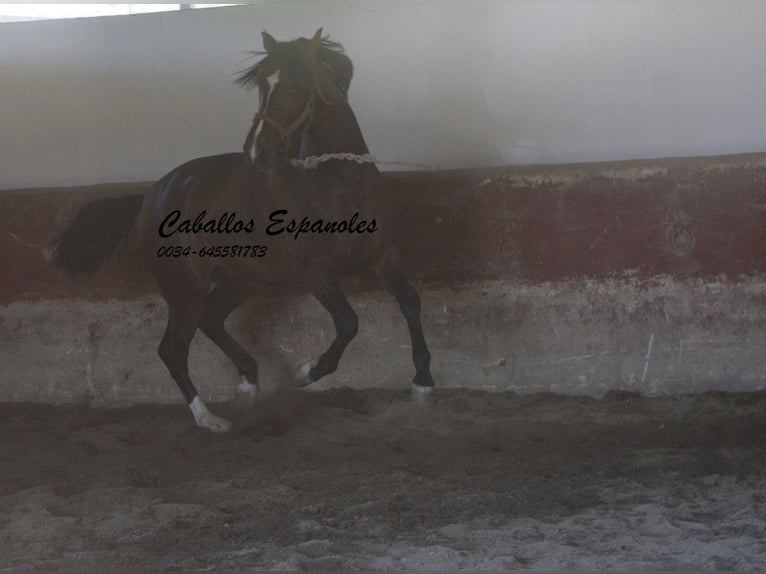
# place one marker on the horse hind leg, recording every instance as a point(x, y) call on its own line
point(184, 312)
point(329, 294)
point(223, 299)
point(409, 303)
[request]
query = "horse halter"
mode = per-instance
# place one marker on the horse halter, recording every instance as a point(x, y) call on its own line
point(285, 133)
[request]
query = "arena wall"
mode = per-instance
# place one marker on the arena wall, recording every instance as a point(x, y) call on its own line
point(644, 276)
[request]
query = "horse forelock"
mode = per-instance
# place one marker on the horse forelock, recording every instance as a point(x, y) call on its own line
point(331, 62)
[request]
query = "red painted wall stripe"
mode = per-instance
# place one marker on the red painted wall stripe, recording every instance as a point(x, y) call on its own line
point(696, 217)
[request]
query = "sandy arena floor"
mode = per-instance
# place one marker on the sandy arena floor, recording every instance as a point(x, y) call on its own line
point(348, 479)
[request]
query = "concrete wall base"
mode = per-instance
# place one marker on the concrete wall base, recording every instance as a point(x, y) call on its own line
point(663, 336)
point(645, 276)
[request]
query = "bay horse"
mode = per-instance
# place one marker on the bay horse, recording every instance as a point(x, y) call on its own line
point(216, 228)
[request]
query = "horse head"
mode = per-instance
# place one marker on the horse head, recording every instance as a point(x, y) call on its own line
point(296, 80)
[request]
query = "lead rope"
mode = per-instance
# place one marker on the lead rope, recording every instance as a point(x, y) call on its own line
point(314, 161)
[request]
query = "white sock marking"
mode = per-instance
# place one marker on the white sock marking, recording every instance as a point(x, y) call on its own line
point(247, 388)
point(303, 374)
point(205, 419)
point(422, 395)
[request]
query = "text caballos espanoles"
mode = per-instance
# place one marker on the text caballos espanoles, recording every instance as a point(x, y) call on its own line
point(279, 223)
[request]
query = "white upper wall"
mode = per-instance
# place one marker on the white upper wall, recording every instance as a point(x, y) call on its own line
point(458, 84)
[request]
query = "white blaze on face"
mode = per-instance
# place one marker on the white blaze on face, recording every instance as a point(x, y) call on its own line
point(272, 80)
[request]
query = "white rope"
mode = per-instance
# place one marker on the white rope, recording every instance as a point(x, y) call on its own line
point(313, 161)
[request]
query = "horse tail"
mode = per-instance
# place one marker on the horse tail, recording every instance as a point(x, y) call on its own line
point(95, 233)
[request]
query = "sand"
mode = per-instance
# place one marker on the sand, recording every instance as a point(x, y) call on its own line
point(346, 479)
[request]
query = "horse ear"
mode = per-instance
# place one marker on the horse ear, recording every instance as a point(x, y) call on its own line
point(314, 43)
point(269, 43)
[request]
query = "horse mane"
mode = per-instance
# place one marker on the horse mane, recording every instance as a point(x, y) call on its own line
point(330, 57)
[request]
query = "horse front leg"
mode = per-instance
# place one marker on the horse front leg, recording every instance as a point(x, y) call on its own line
point(222, 300)
point(328, 292)
point(409, 304)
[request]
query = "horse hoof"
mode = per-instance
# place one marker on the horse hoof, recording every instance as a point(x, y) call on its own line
point(213, 423)
point(207, 420)
point(302, 376)
point(422, 396)
point(217, 424)
point(246, 390)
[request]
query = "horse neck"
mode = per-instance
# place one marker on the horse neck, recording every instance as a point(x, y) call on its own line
point(336, 130)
